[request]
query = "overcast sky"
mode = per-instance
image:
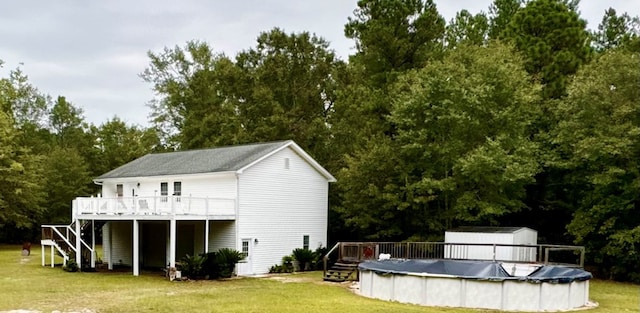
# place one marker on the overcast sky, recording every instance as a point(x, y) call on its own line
point(92, 51)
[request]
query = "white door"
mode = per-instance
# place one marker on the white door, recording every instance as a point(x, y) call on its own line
point(244, 267)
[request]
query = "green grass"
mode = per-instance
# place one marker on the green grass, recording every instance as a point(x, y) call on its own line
point(25, 284)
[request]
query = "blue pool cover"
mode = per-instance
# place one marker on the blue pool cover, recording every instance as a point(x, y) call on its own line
point(482, 270)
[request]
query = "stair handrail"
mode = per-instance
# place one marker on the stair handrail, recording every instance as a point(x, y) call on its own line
point(65, 256)
point(69, 228)
point(325, 259)
point(55, 229)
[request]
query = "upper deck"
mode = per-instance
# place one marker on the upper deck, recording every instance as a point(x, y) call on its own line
point(154, 208)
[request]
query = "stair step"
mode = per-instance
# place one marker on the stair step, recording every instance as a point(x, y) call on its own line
point(337, 280)
point(346, 264)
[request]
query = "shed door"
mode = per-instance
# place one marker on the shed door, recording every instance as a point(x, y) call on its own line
point(245, 266)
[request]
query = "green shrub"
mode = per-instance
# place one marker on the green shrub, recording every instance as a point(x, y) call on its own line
point(71, 266)
point(226, 259)
point(304, 257)
point(210, 266)
point(191, 266)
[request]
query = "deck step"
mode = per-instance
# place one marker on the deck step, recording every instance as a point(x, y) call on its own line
point(341, 271)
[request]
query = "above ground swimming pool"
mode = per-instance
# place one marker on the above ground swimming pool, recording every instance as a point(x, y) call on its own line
point(476, 284)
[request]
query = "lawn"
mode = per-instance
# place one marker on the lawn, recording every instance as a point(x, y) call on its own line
point(25, 284)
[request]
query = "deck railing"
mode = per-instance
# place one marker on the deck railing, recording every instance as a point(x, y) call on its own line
point(542, 254)
point(162, 205)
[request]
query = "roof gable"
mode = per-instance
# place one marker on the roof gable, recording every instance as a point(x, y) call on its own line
point(223, 159)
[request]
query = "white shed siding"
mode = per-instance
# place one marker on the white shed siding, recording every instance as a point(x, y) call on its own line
point(122, 242)
point(222, 234)
point(279, 205)
point(523, 236)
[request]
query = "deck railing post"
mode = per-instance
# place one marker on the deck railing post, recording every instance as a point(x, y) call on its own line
point(494, 252)
point(408, 249)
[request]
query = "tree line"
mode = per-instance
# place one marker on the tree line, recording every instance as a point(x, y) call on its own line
point(516, 117)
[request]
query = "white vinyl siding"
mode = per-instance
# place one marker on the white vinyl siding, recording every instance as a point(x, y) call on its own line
point(218, 185)
point(222, 234)
point(121, 243)
point(278, 206)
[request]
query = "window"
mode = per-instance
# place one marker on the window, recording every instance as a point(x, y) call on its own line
point(305, 242)
point(286, 163)
point(164, 191)
point(245, 247)
point(119, 190)
point(177, 188)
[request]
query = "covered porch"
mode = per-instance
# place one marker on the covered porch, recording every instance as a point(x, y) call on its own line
point(153, 232)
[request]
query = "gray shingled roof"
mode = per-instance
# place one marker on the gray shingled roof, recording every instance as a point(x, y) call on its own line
point(213, 160)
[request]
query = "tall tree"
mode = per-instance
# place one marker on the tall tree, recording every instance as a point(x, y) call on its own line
point(500, 14)
point(120, 143)
point(291, 90)
point(554, 40)
point(462, 152)
point(395, 36)
point(599, 132)
point(193, 108)
point(616, 31)
point(67, 177)
point(21, 195)
point(467, 28)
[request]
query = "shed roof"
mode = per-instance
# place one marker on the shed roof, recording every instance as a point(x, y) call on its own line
point(223, 159)
point(488, 229)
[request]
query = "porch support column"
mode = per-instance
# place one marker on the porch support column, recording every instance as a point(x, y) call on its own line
point(52, 255)
point(136, 246)
point(78, 244)
point(206, 236)
point(93, 244)
point(110, 264)
point(42, 254)
point(172, 243)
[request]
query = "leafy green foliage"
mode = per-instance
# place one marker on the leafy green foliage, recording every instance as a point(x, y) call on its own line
point(468, 29)
point(192, 266)
point(304, 257)
point(600, 134)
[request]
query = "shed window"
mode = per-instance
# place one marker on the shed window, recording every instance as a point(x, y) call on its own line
point(305, 242)
point(286, 163)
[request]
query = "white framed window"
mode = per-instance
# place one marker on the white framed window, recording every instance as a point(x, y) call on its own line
point(177, 190)
point(245, 247)
point(119, 191)
point(305, 242)
point(286, 163)
point(164, 191)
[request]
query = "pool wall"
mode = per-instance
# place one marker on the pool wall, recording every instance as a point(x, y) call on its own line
point(449, 291)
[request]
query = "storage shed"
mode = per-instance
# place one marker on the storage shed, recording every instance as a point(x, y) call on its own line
point(477, 243)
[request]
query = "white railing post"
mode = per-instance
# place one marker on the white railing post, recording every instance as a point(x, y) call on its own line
point(173, 206)
point(78, 244)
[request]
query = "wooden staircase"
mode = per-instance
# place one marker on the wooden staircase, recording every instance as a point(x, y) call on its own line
point(342, 271)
